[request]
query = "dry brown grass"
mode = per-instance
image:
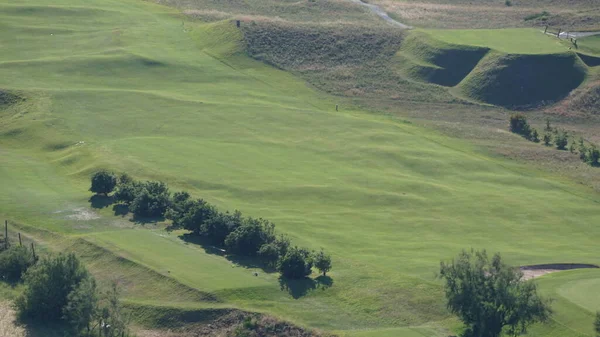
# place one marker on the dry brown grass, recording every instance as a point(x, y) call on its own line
point(8, 327)
point(492, 14)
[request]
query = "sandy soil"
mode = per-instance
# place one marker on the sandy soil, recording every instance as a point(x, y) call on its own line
point(534, 271)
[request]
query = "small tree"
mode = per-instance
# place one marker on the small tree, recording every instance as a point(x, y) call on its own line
point(547, 138)
point(561, 140)
point(572, 148)
point(597, 324)
point(519, 125)
point(112, 320)
point(14, 262)
point(127, 191)
point(491, 297)
point(548, 127)
point(295, 264)
point(593, 156)
point(322, 261)
point(250, 237)
point(535, 136)
point(81, 306)
point(219, 225)
point(583, 151)
point(103, 182)
point(47, 287)
point(152, 200)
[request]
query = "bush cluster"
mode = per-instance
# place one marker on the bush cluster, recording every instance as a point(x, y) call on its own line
point(60, 290)
point(560, 138)
point(239, 235)
point(14, 262)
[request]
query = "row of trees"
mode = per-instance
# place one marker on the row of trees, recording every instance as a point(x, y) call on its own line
point(238, 235)
point(58, 289)
point(588, 153)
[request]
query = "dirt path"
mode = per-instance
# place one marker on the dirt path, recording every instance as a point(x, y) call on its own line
point(382, 14)
point(530, 272)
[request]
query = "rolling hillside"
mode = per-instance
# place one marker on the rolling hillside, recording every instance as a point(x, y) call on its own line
point(138, 87)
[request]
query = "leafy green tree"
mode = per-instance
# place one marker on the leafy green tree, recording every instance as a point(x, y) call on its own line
point(271, 252)
point(189, 214)
point(103, 182)
point(295, 264)
point(583, 151)
point(218, 227)
point(250, 236)
point(14, 262)
point(322, 261)
point(491, 297)
point(548, 127)
point(47, 287)
point(597, 324)
point(152, 200)
point(81, 306)
point(561, 140)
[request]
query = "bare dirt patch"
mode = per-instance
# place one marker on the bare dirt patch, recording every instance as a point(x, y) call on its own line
point(533, 271)
point(83, 214)
point(8, 327)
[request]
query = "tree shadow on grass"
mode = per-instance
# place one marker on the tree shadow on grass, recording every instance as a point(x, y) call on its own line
point(120, 210)
point(297, 287)
point(244, 261)
point(100, 201)
point(324, 282)
point(142, 220)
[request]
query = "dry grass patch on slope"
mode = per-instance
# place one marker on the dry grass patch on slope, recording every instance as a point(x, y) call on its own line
point(8, 326)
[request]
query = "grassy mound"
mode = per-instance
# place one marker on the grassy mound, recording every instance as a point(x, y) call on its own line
point(588, 100)
point(515, 81)
point(426, 59)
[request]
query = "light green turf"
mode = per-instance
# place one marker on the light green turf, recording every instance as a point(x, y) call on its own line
point(590, 45)
point(511, 41)
point(125, 85)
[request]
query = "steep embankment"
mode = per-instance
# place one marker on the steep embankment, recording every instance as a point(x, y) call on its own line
point(425, 59)
point(524, 80)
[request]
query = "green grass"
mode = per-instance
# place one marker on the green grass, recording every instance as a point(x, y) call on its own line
point(124, 85)
point(511, 41)
point(590, 45)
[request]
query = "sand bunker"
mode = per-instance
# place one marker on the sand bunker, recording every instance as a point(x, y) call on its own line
point(538, 270)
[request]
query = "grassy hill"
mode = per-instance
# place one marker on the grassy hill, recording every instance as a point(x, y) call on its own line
point(126, 85)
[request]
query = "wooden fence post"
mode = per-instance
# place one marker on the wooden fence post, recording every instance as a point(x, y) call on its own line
point(238, 23)
point(33, 251)
point(6, 234)
point(20, 242)
point(558, 34)
point(546, 29)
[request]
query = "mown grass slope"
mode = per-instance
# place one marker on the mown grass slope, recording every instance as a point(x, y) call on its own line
point(125, 85)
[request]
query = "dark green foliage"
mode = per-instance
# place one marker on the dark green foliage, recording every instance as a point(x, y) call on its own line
point(295, 264)
point(561, 140)
point(593, 156)
point(250, 237)
point(583, 151)
point(535, 136)
point(14, 262)
point(548, 127)
point(271, 252)
point(47, 287)
point(519, 125)
point(507, 3)
point(547, 139)
point(491, 297)
point(572, 148)
point(103, 182)
point(189, 214)
point(81, 305)
point(127, 191)
point(322, 262)
point(152, 200)
point(220, 225)
point(597, 324)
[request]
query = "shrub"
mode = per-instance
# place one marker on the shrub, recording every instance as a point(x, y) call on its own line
point(250, 236)
point(323, 262)
point(508, 3)
point(271, 252)
point(127, 191)
point(491, 297)
point(81, 305)
point(47, 287)
point(597, 324)
point(593, 156)
point(189, 214)
point(535, 136)
point(547, 138)
point(103, 182)
point(112, 321)
point(561, 140)
point(583, 151)
point(519, 125)
point(295, 264)
point(152, 200)
point(218, 227)
point(14, 262)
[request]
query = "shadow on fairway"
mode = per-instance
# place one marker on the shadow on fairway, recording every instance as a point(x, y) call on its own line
point(209, 248)
point(297, 288)
point(99, 201)
point(120, 210)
